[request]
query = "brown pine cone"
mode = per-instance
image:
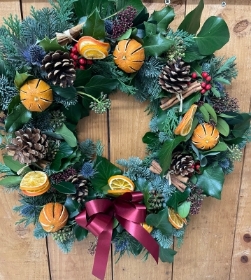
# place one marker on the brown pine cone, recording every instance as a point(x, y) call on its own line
point(182, 164)
point(30, 145)
point(59, 68)
point(81, 185)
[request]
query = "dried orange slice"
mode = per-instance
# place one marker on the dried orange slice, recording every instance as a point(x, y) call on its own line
point(186, 123)
point(120, 183)
point(35, 183)
point(91, 48)
point(36, 95)
point(147, 227)
point(117, 192)
point(175, 219)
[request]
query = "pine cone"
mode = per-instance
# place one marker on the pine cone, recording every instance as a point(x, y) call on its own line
point(182, 164)
point(60, 69)
point(175, 76)
point(53, 148)
point(28, 146)
point(57, 119)
point(156, 200)
point(81, 187)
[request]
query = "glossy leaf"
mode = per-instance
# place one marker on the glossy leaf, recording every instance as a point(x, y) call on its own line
point(94, 26)
point(160, 221)
point(204, 112)
point(14, 165)
point(72, 207)
point(15, 101)
point(143, 186)
point(178, 197)
point(10, 181)
point(155, 45)
point(86, 7)
point(82, 77)
point(162, 18)
point(211, 111)
point(223, 127)
point(20, 78)
point(50, 45)
point(65, 151)
point(80, 233)
point(213, 35)
point(241, 127)
point(65, 187)
point(149, 138)
point(166, 254)
point(67, 93)
point(17, 118)
point(99, 84)
point(67, 134)
point(150, 28)
point(211, 181)
point(220, 147)
point(191, 22)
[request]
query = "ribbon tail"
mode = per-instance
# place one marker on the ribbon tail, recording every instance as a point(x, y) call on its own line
point(139, 233)
point(102, 252)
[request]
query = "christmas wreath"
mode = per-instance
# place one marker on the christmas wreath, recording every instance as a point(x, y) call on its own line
point(60, 63)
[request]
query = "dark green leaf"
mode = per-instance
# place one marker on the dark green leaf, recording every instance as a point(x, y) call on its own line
point(72, 207)
point(17, 118)
point(189, 101)
point(166, 254)
point(68, 136)
point(65, 151)
point(67, 93)
point(165, 154)
point(205, 113)
point(213, 35)
point(150, 28)
point(163, 18)
point(211, 181)
point(10, 181)
point(191, 22)
point(99, 84)
point(122, 4)
point(13, 164)
point(192, 53)
point(241, 127)
point(211, 111)
point(65, 187)
point(105, 169)
point(80, 233)
point(155, 45)
point(149, 138)
point(178, 197)
point(94, 26)
point(51, 45)
point(82, 77)
point(20, 78)
point(15, 101)
point(223, 127)
point(74, 113)
point(143, 185)
point(220, 147)
point(160, 221)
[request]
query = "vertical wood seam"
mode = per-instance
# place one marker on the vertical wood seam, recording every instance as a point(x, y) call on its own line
point(48, 257)
point(21, 9)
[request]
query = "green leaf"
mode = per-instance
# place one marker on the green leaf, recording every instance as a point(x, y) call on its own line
point(160, 221)
point(10, 181)
point(82, 77)
point(65, 187)
point(178, 197)
point(204, 112)
point(13, 164)
point(86, 7)
point(184, 209)
point(65, 151)
point(143, 185)
point(15, 101)
point(122, 4)
point(105, 169)
point(155, 45)
point(20, 78)
point(94, 26)
point(165, 154)
point(166, 254)
point(5, 170)
point(191, 22)
point(67, 93)
point(74, 113)
point(220, 147)
point(192, 53)
point(50, 45)
point(211, 111)
point(223, 127)
point(80, 233)
point(67, 134)
point(215, 92)
point(211, 181)
point(98, 84)
point(126, 35)
point(189, 101)
point(241, 127)
point(72, 207)
point(17, 118)
point(213, 35)
point(150, 28)
point(149, 138)
point(163, 18)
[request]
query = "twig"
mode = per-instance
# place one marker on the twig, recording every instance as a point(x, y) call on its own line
point(69, 35)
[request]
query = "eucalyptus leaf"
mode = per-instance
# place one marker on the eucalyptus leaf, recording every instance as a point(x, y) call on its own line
point(65, 187)
point(160, 221)
point(166, 254)
point(155, 45)
point(213, 35)
point(211, 181)
point(20, 78)
point(191, 22)
point(17, 118)
point(184, 209)
point(211, 111)
point(165, 154)
point(94, 26)
point(223, 127)
point(162, 18)
point(67, 134)
point(205, 113)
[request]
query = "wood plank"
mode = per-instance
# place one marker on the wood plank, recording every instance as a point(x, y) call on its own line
point(22, 257)
point(208, 244)
point(128, 123)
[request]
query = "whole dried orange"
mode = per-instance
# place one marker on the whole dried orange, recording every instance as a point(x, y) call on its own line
point(185, 125)
point(36, 95)
point(205, 136)
point(53, 217)
point(129, 55)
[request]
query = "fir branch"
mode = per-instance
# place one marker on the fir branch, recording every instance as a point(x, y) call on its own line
point(39, 232)
point(163, 240)
point(88, 148)
point(14, 26)
point(66, 245)
point(99, 148)
point(170, 122)
point(5, 170)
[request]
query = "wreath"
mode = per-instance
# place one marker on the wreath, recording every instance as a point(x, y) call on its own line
point(54, 71)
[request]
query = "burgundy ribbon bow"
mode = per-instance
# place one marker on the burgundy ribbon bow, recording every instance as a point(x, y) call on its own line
point(98, 217)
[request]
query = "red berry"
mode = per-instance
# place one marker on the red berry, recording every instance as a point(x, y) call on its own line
point(204, 75)
point(208, 78)
point(89, 61)
point(72, 55)
point(194, 75)
point(208, 87)
point(75, 57)
point(74, 50)
point(203, 84)
point(82, 61)
point(82, 67)
point(203, 91)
